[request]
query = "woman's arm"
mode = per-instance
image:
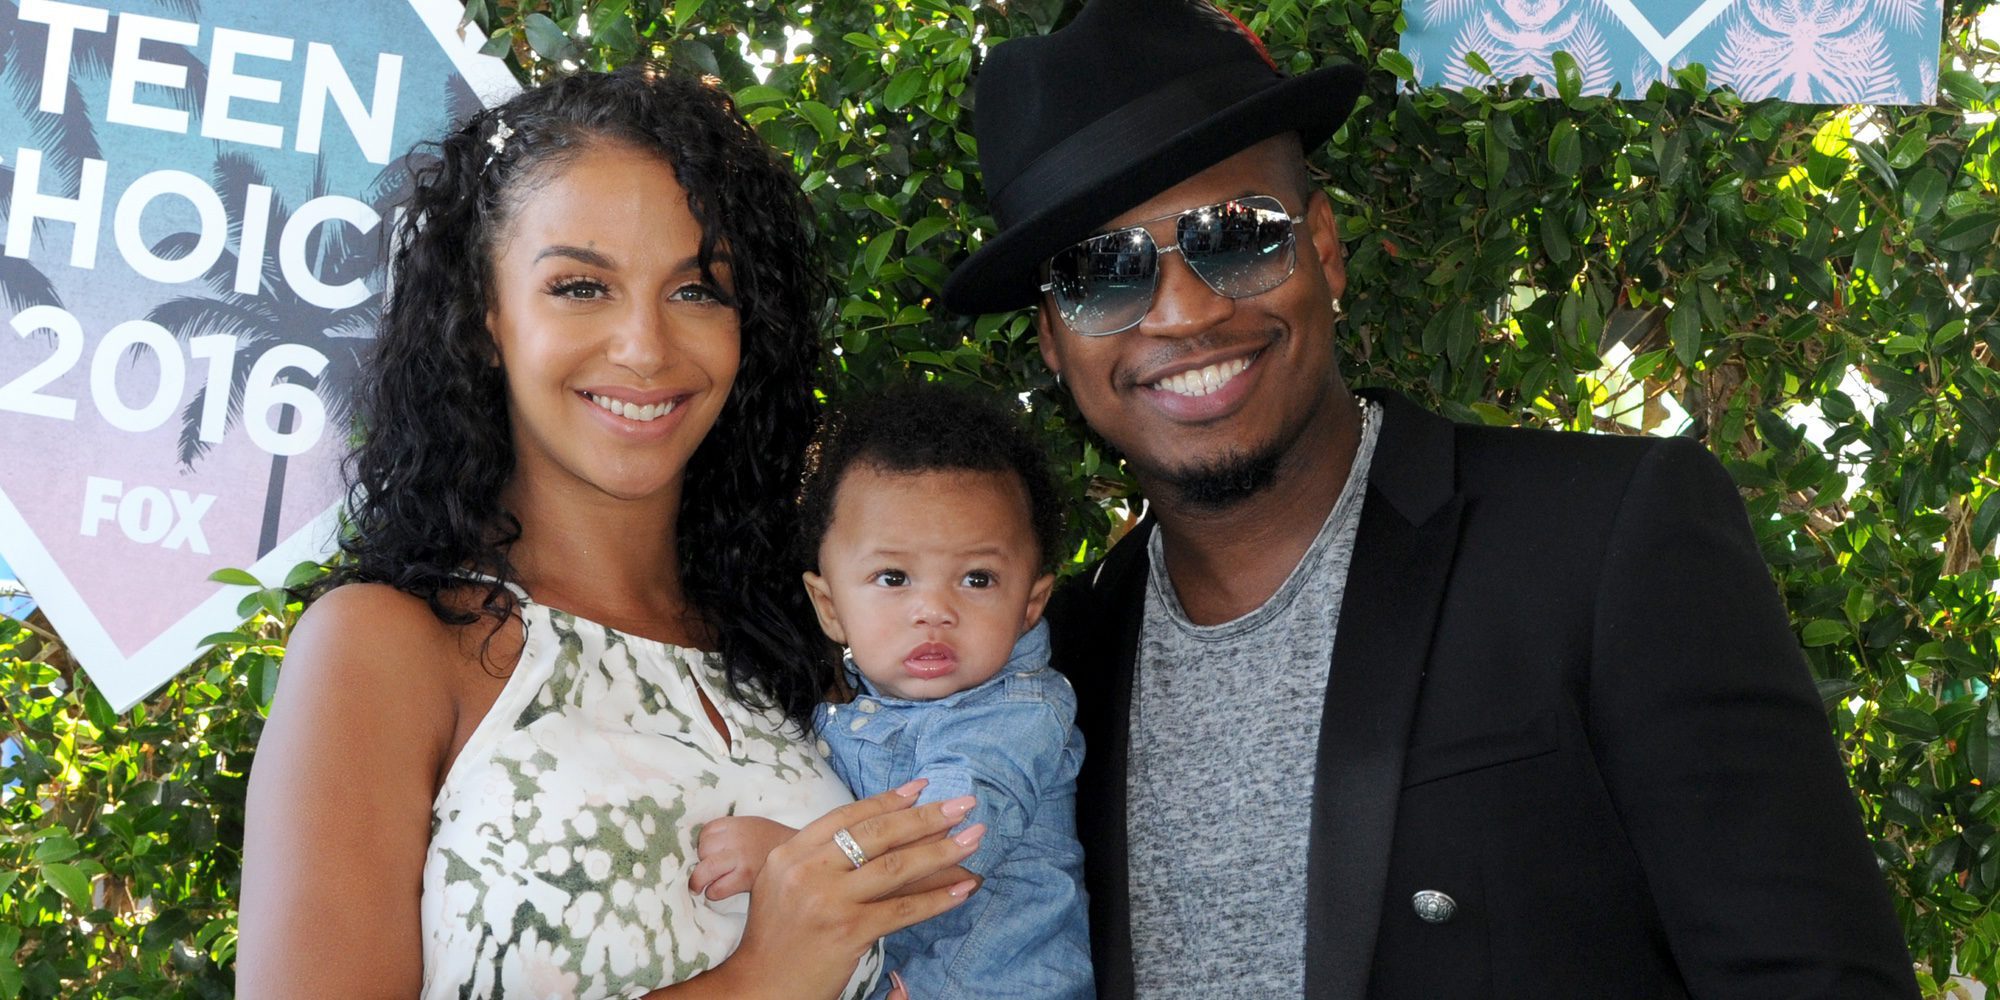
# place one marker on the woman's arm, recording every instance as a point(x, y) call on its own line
point(338, 816)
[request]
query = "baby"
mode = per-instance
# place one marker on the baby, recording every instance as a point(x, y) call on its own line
point(933, 522)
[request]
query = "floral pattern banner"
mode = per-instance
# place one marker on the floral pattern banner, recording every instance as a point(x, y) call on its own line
point(1803, 51)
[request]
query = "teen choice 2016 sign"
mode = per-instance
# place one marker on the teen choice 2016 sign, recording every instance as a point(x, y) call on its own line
point(196, 199)
point(1803, 51)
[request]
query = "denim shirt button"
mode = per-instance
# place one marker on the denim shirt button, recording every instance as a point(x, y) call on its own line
point(859, 721)
point(866, 705)
point(825, 750)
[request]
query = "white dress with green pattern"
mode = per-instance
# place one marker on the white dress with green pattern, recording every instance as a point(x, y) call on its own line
point(562, 837)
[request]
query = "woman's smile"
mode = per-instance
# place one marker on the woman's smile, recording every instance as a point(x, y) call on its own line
point(620, 347)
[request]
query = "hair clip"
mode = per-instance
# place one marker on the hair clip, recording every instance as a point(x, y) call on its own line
point(498, 140)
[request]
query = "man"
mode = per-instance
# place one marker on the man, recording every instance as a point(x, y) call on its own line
point(1377, 705)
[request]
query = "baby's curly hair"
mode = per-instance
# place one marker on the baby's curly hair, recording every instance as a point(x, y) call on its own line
point(436, 450)
point(927, 427)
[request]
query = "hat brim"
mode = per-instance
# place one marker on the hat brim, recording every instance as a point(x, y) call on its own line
point(1002, 274)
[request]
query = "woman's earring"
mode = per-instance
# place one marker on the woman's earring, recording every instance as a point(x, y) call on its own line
point(1338, 311)
point(1059, 380)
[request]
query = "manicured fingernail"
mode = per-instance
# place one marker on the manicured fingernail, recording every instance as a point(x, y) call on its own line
point(958, 807)
point(971, 835)
point(898, 980)
point(958, 891)
point(912, 787)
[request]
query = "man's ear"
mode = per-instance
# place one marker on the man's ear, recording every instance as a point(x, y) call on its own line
point(1325, 233)
point(822, 598)
point(1045, 338)
point(1038, 599)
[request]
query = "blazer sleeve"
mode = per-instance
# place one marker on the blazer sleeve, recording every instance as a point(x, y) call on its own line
point(1711, 737)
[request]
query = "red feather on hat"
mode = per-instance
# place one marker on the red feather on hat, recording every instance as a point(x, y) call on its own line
point(1228, 22)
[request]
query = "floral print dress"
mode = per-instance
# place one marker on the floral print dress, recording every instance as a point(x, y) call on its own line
point(563, 834)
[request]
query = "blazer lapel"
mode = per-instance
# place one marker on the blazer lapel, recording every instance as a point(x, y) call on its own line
point(1106, 627)
point(1402, 559)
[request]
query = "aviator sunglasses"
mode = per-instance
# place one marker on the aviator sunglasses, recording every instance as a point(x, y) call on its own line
point(1238, 248)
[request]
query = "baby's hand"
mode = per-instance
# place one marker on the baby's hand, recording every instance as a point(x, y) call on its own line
point(732, 850)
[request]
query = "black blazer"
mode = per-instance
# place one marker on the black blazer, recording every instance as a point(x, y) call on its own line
point(1565, 693)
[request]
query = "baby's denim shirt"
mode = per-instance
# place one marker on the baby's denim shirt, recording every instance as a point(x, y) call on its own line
point(1012, 743)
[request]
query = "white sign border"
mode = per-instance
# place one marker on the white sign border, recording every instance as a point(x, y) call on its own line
point(114, 673)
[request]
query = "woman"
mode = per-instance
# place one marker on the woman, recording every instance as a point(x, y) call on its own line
point(567, 634)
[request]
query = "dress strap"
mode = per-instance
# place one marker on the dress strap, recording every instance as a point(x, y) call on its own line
point(519, 592)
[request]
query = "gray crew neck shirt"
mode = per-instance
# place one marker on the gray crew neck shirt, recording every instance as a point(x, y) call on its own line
point(1225, 726)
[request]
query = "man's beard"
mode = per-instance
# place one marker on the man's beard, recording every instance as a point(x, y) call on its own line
point(1227, 481)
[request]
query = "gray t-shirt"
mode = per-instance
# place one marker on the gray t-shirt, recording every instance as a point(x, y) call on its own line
point(1225, 723)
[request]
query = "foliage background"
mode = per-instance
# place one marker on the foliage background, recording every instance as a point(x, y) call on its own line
point(1814, 288)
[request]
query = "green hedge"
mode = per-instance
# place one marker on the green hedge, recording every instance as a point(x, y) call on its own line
point(1751, 259)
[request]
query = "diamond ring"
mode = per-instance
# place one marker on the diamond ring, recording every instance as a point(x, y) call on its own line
point(845, 841)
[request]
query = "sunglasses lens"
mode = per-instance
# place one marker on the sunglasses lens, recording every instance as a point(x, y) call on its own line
point(1104, 284)
point(1240, 248)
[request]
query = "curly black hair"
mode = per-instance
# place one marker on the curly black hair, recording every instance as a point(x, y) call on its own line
point(927, 427)
point(425, 481)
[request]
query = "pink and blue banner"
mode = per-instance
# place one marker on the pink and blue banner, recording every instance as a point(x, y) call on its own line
point(195, 197)
point(1803, 51)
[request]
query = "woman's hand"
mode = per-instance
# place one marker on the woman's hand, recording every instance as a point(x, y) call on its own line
point(813, 913)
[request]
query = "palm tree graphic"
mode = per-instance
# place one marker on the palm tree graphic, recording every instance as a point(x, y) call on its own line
point(275, 314)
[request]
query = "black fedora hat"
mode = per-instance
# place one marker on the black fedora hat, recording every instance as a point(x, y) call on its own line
point(1124, 102)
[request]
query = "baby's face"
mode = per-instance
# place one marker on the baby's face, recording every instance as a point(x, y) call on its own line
point(928, 577)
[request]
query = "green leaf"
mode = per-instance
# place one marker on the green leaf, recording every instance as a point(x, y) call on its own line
point(1826, 164)
point(1923, 194)
point(1569, 78)
point(854, 309)
point(1970, 233)
point(1981, 745)
point(883, 207)
point(1397, 64)
point(1565, 149)
point(261, 673)
point(99, 711)
point(235, 577)
point(923, 229)
point(822, 119)
point(902, 87)
point(1986, 523)
point(1555, 241)
point(684, 13)
point(1910, 148)
point(498, 44)
point(1910, 723)
point(546, 37)
point(302, 574)
point(273, 600)
point(756, 94)
point(61, 847)
point(1823, 632)
point(225, 639)
point(1684, 330)
point(1963, 88)
point(68, 880)
point(876, 252)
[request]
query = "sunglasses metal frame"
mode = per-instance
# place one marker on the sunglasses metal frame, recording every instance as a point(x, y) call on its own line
point(1291, 242)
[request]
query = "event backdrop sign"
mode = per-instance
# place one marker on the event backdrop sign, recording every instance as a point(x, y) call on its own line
point(195, 200)
point(1803, 51)
point(15, 601)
